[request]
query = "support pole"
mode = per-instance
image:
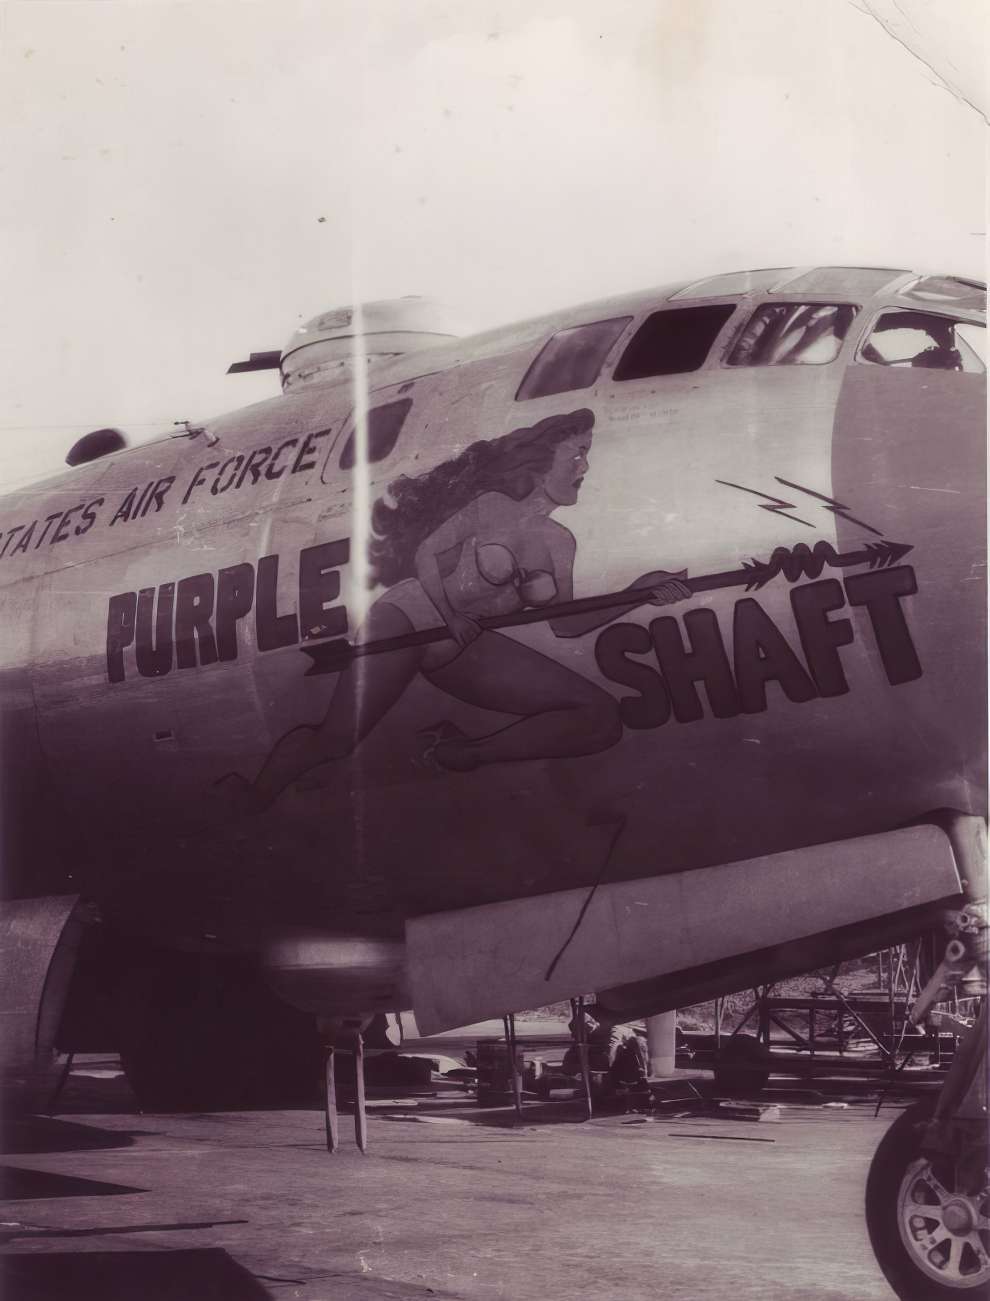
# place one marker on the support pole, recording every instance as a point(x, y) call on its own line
point(762, 995)
point(661, 1042)
point(577, 1008)
point(360, 1105)
point(63, 1079)
point(509, 1023)
point(330, 1101)
point(719, 1011)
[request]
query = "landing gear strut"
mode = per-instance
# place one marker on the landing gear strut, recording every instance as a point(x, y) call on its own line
point(344, 1036)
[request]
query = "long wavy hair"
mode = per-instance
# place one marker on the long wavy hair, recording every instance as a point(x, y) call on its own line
point(512, 464)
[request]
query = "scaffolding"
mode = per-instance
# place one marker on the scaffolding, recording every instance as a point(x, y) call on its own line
point(853, 1031)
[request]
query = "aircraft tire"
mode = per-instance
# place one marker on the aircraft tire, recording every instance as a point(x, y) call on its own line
point(918, 1257)
point(203, 1033)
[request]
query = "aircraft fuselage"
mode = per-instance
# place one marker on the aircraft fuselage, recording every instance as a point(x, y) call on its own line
point(190, 738)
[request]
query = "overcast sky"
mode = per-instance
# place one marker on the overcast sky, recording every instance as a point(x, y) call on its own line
point(182, 183)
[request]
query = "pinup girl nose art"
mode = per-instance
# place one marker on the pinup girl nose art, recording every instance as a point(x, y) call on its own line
point(473, 539)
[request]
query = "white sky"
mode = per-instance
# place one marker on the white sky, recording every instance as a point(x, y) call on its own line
point(182, 183)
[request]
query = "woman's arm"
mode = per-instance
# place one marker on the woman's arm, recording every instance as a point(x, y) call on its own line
point(562, 552)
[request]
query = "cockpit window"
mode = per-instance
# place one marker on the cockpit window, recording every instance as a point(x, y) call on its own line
point(947, 291)
point(672, 342)
point(732, 282)
point(921, 339)
point(793, 334)
point(384, 426)
point(973, 337)
point(571, 359)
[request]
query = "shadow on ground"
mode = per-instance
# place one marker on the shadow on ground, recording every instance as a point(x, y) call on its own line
point(40, 1134)
point(20, 1185)
point(199, 1274)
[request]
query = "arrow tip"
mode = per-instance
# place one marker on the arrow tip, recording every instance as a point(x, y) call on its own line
point(327, 656)
point(897, 551)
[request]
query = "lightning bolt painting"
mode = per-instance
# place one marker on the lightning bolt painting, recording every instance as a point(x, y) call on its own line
point(836, 507)
point(776, 507)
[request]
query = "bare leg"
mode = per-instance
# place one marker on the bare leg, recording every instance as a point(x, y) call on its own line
point(366, 690)
point(563, 714)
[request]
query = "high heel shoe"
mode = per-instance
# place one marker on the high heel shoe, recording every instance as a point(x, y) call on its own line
point(450, 735)
point(435, 735)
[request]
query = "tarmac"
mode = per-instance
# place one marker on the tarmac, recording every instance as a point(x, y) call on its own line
point(452, 1201)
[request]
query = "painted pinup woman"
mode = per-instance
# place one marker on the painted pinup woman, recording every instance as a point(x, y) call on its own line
point(469, 539)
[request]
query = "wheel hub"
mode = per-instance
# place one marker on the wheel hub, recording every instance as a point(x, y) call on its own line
point(958, 1217)
point(946, 1233)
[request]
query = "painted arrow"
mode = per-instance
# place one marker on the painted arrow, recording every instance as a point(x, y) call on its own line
point(792, 562)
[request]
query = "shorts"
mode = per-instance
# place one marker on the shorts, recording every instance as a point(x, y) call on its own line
point(409, 596)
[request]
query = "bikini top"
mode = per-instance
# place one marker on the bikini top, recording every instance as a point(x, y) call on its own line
point(497, 565)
